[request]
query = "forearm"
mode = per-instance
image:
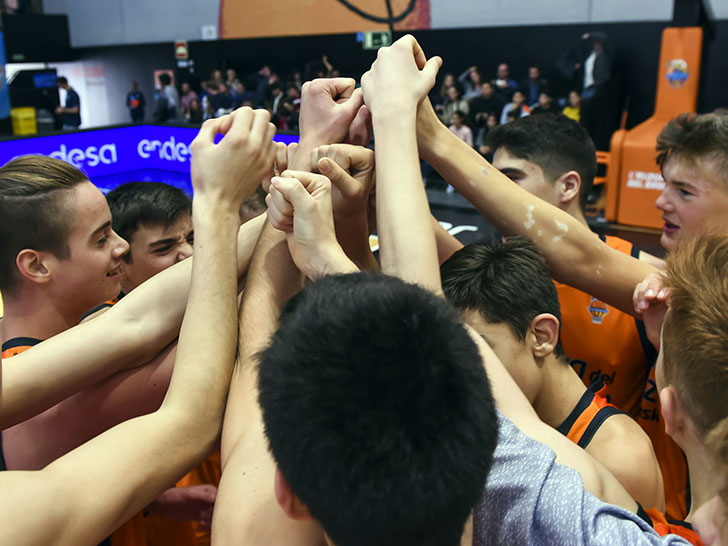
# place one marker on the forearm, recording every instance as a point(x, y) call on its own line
point(447, 244)
point(273, 277)
point(207, 344)
point(575, 255)
point(131, 464)
point(353, 236)
point(407, 248)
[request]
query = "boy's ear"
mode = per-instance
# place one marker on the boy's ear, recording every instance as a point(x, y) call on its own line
point(288, 500)
point(545, 331)
point(34, 265)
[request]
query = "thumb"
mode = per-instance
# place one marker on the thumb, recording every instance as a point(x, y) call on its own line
point(293, 191)
point(338, 176)
point(352, 105)
point(431, 68)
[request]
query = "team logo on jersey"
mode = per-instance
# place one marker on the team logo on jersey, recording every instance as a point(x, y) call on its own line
point(677, 72)
point(598, 310)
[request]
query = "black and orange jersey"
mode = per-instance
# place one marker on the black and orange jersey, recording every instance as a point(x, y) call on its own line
point(673, 464)
point(17, 345)
point(10, 348)
point(588, 415)
point(605, 343)
point(664, 526)
point(105, 305)
point(132, 533)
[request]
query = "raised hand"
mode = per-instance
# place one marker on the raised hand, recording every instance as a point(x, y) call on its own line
point(651, 299)
point(232, 169)
point(400, 77)
point(299, 203)
point(351, 171)
point(328, 107)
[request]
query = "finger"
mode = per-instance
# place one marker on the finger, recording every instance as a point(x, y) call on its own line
point(277, 220)
point(259, 126)
point(278, 200)
point(294, 192)
point(431, 68)
point(338, 176)
point(291, 152)
point(351, 106)
point(316, 155)
point(242, 119)
point(420, 58)
point(281, 158)
point(341, 87)
point(360, 130)
point(209, 130)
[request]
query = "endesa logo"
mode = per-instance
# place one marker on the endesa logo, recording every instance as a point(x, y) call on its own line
point(88, 157)
point(170, 150)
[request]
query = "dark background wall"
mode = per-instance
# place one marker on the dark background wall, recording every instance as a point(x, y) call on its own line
point(634, 47)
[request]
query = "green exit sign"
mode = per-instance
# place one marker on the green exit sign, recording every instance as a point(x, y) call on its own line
point(377, 39)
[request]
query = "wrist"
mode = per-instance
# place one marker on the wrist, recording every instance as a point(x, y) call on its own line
point(210, 211)
point(394, 112)
point(330, 260)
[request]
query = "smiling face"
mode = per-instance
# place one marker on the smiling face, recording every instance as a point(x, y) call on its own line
point(694, 200)
point(92, 272)
point(154, 248)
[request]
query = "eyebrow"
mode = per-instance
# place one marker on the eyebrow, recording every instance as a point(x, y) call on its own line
point(508, 171)
point(99, 229)
point(168, 240)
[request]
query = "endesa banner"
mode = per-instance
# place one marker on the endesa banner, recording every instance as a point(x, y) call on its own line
point(106, 152)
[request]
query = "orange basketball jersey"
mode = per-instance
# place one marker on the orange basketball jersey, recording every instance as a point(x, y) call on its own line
point(664, 526)
point(590, 412)
point(605, 343)
point(671, 458)
point(131, 533)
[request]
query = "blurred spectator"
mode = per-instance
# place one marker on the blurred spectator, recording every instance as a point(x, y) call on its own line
point(482, 141)
point(455, 103)
point(232, 76)
point(194, 112)
point(470, 80)
point(70, 112)
point(515, 109)
point(594, 96)
point(166, 105)
point(573, 109)
point(188, 95)
point(286, 116)
point(239, 94)
point(219, 101)
point(533, 85)
point(439, 99)
point(485, 104)
point(297, 79)
point(293, 92)
point(505, 86)
point(135, 102)
point(216, 76)
point(275, 94)
point(459, 129)
point(546, 104)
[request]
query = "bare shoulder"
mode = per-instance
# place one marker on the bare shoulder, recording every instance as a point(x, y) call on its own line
point(626, 451)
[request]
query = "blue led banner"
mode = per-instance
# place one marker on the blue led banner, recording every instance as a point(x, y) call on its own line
point(111, 151)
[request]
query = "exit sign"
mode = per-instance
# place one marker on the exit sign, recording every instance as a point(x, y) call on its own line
point(377, 39)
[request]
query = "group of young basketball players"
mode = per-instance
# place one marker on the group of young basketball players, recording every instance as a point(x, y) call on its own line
point(551, 387)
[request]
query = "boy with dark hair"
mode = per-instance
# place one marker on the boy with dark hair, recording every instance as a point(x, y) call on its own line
point(553, 159)
point(505, 293)
point(373, 426)
point(156, 220)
